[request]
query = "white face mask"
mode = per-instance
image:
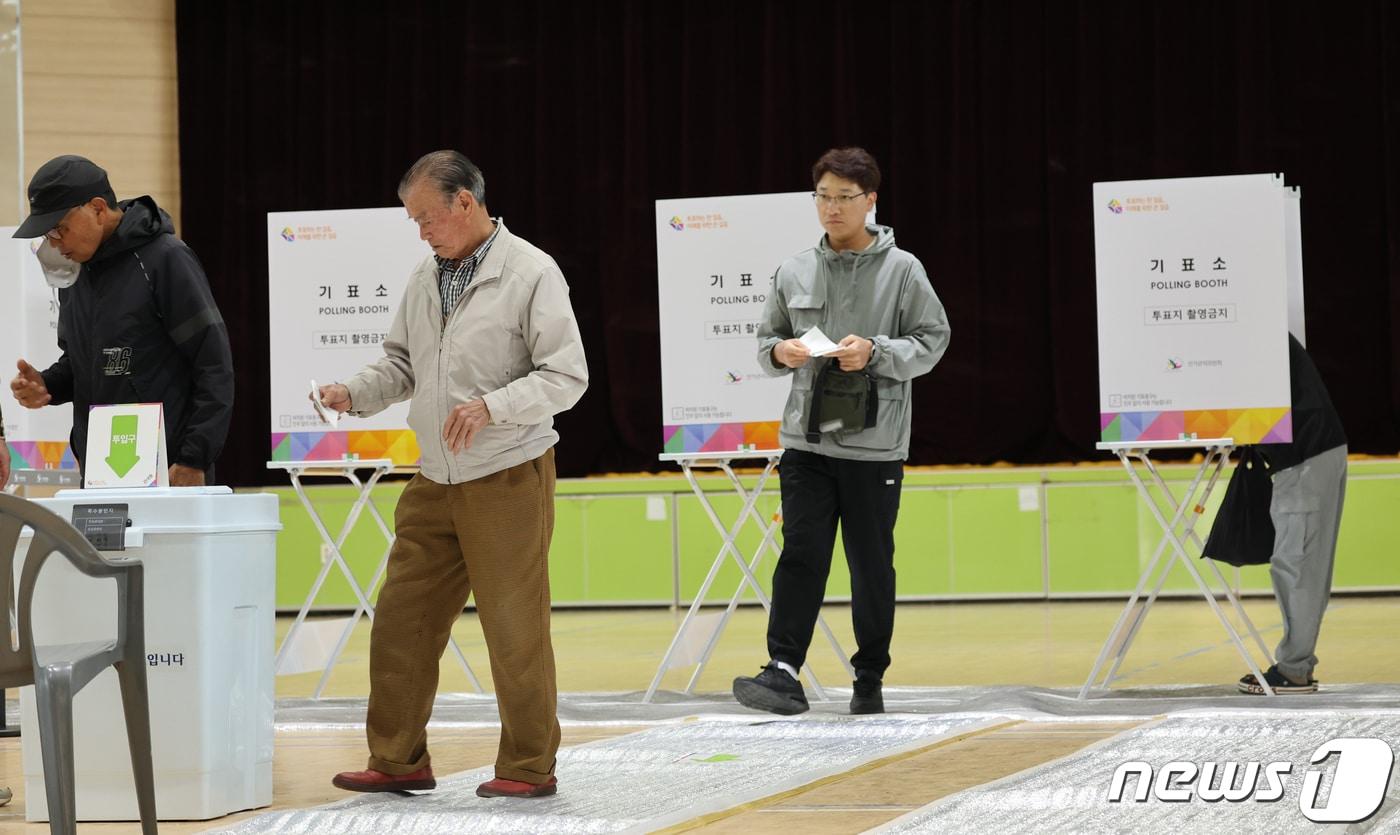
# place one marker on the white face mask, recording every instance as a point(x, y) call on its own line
point(59, 272)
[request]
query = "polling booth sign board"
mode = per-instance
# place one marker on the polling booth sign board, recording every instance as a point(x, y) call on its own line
point(1195, 281)
point(38, 438)
point(716, 258)
point(335, 279)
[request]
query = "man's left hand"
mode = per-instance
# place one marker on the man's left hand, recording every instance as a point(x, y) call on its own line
point(854, 353)
point(463, 422)
point(182, 476)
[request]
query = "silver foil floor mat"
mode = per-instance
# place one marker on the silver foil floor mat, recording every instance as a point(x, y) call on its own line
point(638, 782)
point(1178, 783)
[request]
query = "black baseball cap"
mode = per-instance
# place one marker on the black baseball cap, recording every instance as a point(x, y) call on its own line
point(59, 185)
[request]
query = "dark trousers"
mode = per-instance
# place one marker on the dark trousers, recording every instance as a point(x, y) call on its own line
point(818, 491)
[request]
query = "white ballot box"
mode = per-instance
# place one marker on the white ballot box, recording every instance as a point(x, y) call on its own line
point(210, 577)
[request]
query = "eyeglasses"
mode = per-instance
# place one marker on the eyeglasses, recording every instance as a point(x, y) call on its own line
point(840, 201)
point(60, 229)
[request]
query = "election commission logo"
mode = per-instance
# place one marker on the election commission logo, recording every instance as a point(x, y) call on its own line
point(1361, 769)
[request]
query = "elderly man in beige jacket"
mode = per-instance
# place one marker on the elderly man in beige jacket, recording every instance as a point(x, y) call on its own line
point(486, 348)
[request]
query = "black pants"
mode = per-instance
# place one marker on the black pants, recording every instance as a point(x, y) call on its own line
point(818, 491)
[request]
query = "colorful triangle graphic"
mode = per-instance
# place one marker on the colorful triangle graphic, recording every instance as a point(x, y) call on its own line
point(1207, 423)
point(727, 437)
point(403, 449)
point(1167, 427)
point(1111, 431)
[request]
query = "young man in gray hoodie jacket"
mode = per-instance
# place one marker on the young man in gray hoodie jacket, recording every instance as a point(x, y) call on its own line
point(855, 282)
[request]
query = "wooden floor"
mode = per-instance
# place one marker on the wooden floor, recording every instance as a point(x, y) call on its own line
point(1039, 644)
point(884, 790)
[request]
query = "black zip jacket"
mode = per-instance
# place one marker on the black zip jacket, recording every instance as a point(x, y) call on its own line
point(140, 326)
point(1316, 425)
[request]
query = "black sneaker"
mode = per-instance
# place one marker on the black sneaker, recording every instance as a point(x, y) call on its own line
point(1281, 684)
point(866, 696)
point(772, 690)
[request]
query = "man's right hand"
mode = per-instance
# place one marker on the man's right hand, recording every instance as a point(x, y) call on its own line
point(335, 396)
point(792, 353)
point(28, 386)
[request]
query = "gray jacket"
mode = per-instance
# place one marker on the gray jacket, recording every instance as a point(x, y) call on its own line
point(880, 293)
point(512, 340)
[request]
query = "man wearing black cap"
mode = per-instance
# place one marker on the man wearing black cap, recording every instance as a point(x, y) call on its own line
point(137, 322)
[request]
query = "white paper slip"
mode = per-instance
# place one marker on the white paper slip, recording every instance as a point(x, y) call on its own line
point(818, 343)
point(328, 415)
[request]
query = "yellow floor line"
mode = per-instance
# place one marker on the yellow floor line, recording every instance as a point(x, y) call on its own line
point(874, 807)
point(752, 805)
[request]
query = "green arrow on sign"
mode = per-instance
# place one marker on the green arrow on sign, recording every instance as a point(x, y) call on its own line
point(121, 456)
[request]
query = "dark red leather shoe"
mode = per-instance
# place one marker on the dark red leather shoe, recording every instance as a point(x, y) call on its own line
point(371, 780)
point(515, 788)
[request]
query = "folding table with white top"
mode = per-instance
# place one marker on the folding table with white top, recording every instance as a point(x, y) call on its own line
point(346, 469)
point(1177, 533)
point(729, 533)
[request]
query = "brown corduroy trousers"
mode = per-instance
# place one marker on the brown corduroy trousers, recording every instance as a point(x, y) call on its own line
point(488, 537)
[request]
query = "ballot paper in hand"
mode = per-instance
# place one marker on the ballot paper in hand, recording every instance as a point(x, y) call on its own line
point(818, 343)
point(326, 414)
